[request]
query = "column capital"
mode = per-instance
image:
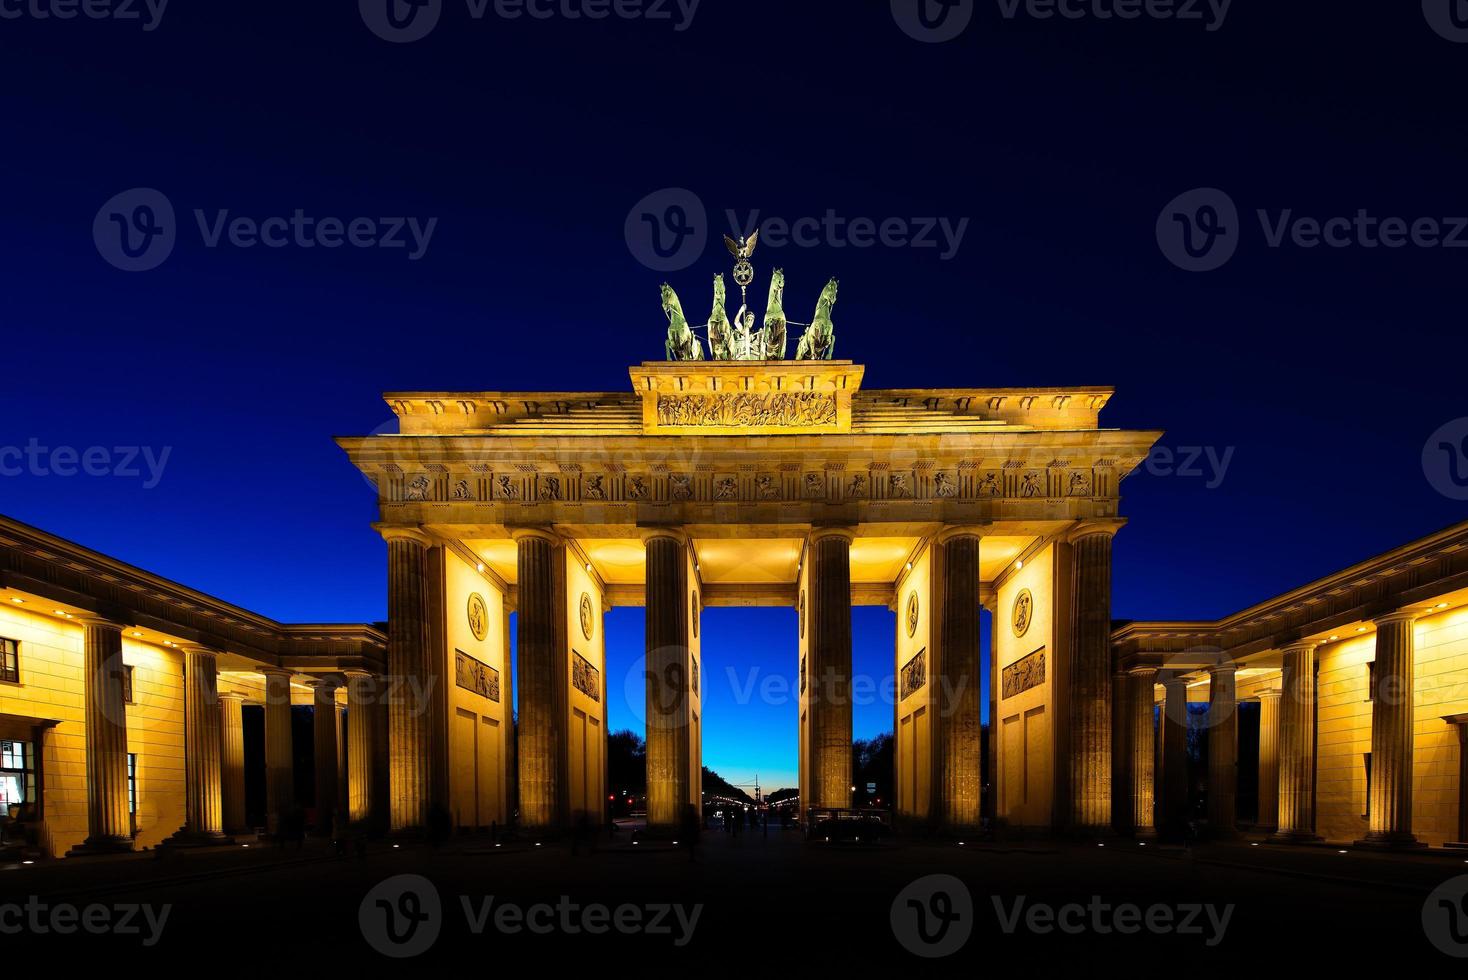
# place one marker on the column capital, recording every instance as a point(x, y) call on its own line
point(951, 531)
point(1086, 529)
point(1151, 672)
point(539, 532)
point(268, 672)
point(1300, 646)
point(1409, 614)
point(199, 650)
point(1272, 694)
point(1228, 666)
point(231, 696)
point(844, 531)
point(1172, 679)
point(670, 532)
point(354, 673)
point(404, 532)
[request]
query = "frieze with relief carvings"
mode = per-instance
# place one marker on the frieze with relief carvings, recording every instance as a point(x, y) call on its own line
point(747, 409)
point(1024, 674)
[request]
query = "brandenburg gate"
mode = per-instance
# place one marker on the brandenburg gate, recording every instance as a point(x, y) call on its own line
point(744, 483)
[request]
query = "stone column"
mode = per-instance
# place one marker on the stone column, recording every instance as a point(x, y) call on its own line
point(203, 790)
point(828, 670)
point(280, 774)
point(1174, 810)
point(667, 677)
point(109, 828)
point(1297, 745)
point(540, 627)
point(362, 802)
point(1089, 792)
point(1268, 816)
point(959, 677)
point(1223, 750)
point(409, 724)
point(1122, 752)
point(324, 728)
point(1389, 823)
point(232, 761)
point(1142, 705)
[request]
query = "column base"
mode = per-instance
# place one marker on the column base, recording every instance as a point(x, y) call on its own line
point(1390, 842)
point(1294, 837)
point(93, 846)
point(188, 838)
point(1457, 845)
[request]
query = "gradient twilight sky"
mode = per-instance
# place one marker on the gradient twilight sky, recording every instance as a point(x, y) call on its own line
point(1319, 374)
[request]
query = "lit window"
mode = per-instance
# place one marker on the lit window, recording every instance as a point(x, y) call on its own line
point(132, 783)
point(1371, 681)
point(9, 661)
point(1367, 814)
point(127, 684)
point(17, 773)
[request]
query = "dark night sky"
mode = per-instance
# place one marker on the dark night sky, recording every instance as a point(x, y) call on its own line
point(1323, 371)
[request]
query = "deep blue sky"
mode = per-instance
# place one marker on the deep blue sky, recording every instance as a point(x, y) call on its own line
point(1324, 371)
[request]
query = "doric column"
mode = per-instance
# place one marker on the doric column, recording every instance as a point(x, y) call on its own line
point(1297, 745)
point(203, 792)
point(1089, 792)
point(324, 728)
point(232, 760)
point(1268, 815)
point(667, 676)
point(1392, 715)
point(1174, 810)
point(109, 827)
point(280, 777)
point(1142, 709)
point(540, 626)
point(361, 745)
point(409, 724)
point(828, 669)
point(960, 677)
point(1223, 750)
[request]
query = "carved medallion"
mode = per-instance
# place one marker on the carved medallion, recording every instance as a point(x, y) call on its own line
point(768, 487)
point(815, 485)
point(989, 485)
point(912, 613)
point(588, 616)
point(682, 486)
point(596, 488)
point(636, 488)
point(944, 486)
point(478, 616)
point(1024, 611)
point(418, 489)
point(727, 488)
point(802, 614)
point(461, 490)
point(696, 610)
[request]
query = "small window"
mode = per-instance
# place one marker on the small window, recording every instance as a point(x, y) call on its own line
point(9, 661)
point(132, 783)
point(1371, 681)
point(127, 684)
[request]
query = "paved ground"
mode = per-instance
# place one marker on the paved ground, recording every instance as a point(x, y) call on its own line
point(750, 902)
